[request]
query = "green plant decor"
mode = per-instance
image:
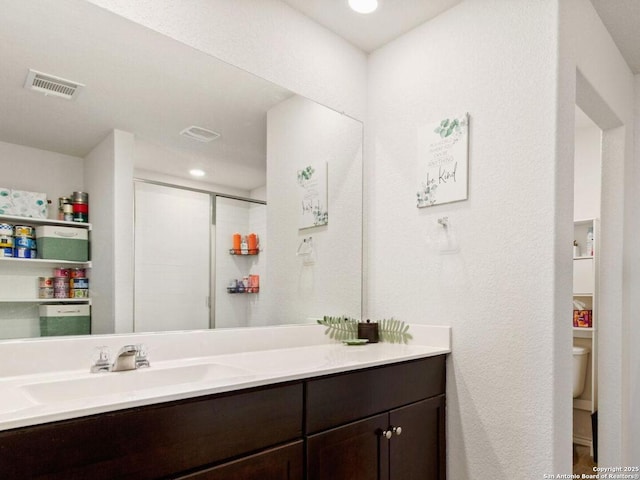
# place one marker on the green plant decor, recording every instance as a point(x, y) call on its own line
point(345, 328)
point(340, 328)
point(394, 331)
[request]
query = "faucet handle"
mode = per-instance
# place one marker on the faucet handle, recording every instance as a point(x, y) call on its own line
point(141, 356)
point(102, 361)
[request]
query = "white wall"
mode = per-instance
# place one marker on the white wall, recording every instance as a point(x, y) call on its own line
point(587, 178)
point(633, 279)
point(299, 133)
point(35, 170)
point(264, 37)
point(108, 177)
point(594, 76)
point(496, 60)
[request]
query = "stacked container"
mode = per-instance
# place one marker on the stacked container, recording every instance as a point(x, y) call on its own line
point(65, 209)
point(46, 289)
point(78, 283)
point(24, 242)
point(80, 202)
point(61, 283)
point(6, 240)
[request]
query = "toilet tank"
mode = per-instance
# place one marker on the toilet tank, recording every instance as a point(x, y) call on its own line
point(580, 361)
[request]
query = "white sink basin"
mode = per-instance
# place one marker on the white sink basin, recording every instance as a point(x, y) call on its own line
point(13, 400)
point(129, 382)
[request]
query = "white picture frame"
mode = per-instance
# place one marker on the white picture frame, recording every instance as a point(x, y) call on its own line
point(313, 208)
point(443, 161)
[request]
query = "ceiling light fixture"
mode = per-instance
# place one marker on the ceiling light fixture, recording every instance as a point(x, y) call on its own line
point(363, 6)
point(196, 172)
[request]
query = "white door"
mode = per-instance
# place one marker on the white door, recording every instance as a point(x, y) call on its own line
point(172, 258)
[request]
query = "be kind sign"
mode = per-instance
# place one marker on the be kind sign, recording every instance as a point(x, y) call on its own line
point(443, 161)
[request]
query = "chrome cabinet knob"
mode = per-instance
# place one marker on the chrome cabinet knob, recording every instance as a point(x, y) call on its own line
point(397, 430)
point(387, 434)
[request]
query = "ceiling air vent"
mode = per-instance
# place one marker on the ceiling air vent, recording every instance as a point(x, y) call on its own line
point(200, 134)
point(52, 85)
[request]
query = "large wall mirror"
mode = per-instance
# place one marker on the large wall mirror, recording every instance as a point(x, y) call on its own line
point(162, 241)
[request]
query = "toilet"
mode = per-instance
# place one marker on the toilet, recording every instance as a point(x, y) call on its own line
point(580, 357)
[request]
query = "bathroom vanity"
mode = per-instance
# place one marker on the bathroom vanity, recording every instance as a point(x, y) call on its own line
point(376, 412)
point(385, 422)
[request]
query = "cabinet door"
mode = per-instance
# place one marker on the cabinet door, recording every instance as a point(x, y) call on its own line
point(356, 451)
point(418, 453)
point(583, 279)
point(282, 463)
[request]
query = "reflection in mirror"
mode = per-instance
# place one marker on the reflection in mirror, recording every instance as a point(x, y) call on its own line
point(119, 140)
point(172, 258)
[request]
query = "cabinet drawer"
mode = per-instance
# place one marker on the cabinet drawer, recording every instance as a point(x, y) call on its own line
point(155, 441)
point(343, 398)
point(281, 463)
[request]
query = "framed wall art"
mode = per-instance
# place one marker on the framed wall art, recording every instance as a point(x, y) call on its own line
point(443, 161)
point(313, 201)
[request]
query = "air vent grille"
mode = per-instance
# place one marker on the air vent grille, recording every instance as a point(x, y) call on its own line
point(200, 134)
point(52, 85)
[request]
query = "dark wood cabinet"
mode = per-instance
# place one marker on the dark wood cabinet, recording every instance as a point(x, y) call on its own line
point(404, 442)
point(155, 441)
point(281, 463)
point(356, 451)
point(418, 453)
point(336, 427)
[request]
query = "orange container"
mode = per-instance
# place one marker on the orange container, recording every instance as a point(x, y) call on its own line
point(236, 243)
point(253, 244)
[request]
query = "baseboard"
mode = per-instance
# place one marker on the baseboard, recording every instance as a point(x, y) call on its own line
point(582, 404)
point(584, 441)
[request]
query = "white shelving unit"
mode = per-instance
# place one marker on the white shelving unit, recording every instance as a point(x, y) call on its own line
point(19, 286)
point(585, 290)
point(25, 262)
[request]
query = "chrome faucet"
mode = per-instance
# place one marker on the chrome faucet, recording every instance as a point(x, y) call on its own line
point(130, 357)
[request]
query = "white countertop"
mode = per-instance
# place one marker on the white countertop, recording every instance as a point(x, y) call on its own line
point(75, 393)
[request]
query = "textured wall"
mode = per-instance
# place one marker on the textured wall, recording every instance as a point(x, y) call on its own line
point(300, 133)
point(495, 60)
point(265, 37)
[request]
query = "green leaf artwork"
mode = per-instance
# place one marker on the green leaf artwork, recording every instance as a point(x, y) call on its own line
point(305, 174)
point(345, 328)
point(447, 127)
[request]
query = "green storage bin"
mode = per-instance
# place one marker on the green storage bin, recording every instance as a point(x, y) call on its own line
point(56, 320)
point(63, 243)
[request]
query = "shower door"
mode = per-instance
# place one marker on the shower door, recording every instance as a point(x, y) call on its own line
point(172, 258)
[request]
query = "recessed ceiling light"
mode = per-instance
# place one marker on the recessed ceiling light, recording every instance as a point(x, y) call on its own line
point(363, 6)
point(196, 172)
